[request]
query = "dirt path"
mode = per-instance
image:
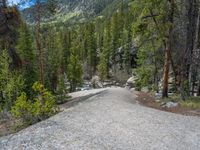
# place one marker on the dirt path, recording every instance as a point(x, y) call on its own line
point(110, 120)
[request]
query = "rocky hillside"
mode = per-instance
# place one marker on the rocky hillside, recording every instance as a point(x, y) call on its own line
point(76, 10)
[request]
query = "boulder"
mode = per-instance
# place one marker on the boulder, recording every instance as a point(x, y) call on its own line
point(96, 82)
point(130, 82)
point(169, 105)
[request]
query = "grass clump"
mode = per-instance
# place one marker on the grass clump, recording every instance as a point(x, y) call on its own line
point(192, 102)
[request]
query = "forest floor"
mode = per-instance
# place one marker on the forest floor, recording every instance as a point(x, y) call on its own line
point(146, 99)
point(112, 119)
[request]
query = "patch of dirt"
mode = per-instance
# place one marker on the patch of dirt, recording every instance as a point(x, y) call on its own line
point(146, 99)
point(8, 126)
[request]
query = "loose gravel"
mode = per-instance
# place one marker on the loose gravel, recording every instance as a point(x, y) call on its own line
point(111, 120)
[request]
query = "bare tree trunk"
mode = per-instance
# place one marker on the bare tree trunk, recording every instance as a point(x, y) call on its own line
point(166, 70)
point(168, 47)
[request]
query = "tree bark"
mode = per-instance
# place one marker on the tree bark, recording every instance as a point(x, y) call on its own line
point(168, 47)
point(198, 90)
point(187, 68)
point(166, 69)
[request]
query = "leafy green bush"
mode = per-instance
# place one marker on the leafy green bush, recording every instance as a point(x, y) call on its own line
point(41, 107)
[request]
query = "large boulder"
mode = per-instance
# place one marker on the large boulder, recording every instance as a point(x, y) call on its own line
point(96, 82)
point(130, 83)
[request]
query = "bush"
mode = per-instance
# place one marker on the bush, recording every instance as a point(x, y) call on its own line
point(22, 108)
point(143, 75)
point(41, 107)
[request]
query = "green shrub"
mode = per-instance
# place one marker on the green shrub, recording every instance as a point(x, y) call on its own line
point(41, 107)
point(22, 108)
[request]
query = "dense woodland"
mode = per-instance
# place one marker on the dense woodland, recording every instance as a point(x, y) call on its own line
point(156, 41)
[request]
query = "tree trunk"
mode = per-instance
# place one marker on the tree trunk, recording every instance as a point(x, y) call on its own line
point(54, 82)
point(168, 47)
point(166, 70)
point(198, 90)
point(187, 67)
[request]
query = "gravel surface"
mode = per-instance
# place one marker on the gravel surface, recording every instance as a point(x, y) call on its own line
point(110, 120)
point(86, 93)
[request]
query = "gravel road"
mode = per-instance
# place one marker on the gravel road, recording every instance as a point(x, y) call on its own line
point(111, 120)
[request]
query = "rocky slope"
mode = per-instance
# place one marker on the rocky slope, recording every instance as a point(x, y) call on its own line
point(76, 10)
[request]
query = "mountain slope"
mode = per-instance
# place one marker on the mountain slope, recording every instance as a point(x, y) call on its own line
point(75, 10)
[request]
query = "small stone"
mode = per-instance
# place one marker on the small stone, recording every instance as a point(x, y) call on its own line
point(157, 100)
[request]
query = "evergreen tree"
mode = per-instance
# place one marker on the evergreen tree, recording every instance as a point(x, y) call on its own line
point(74, 67)
point(11, 83)
point(106, 52)
point(91, 48)
point(154, 25)
point(54, 59)
point(102, 67)
point(28, 57)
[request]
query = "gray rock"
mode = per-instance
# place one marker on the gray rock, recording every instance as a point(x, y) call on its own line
point(157, 100)
point(131, 82)
point(145, 89)
point(169, 105)
point(158, 95)
point(96, 82)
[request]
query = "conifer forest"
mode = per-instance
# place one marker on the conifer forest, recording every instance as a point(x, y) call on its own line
point(51, 48)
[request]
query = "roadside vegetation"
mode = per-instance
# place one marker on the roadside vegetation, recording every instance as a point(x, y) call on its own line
point(155, 42)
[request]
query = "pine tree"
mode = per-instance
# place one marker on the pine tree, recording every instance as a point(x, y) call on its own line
point(156, 24)
point(102, 67)
point(11, 83)
point(74, 67)
point(28, 57)
point(107, 45)
point(91, 48)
